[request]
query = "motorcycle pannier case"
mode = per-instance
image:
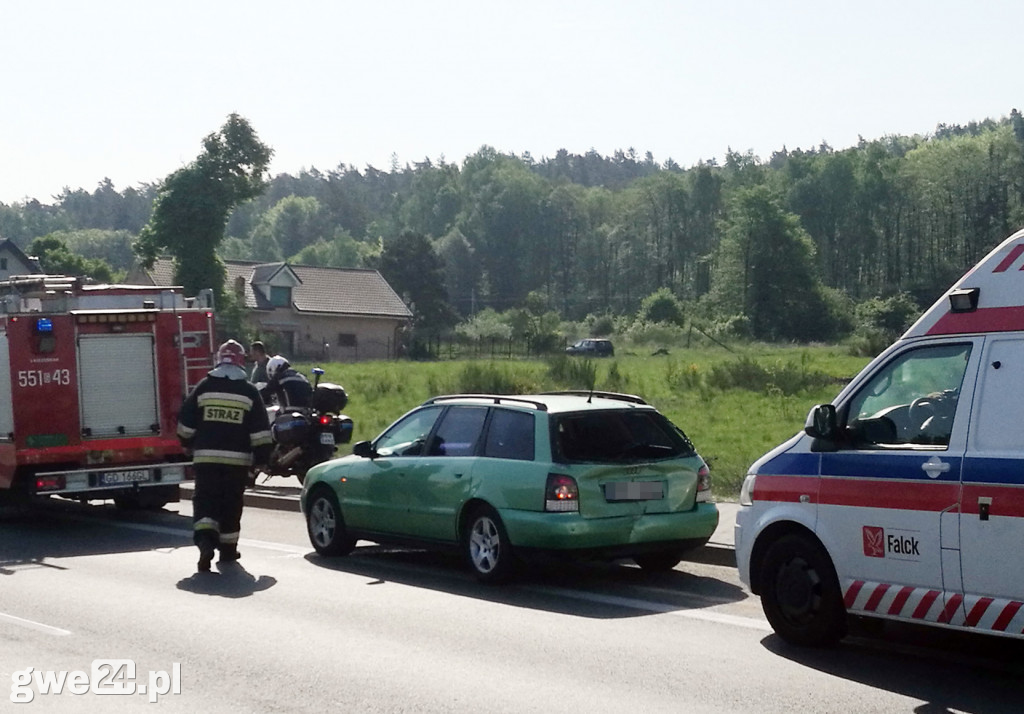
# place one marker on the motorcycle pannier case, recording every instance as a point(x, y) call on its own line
point(344, 434)
point(291, 428)
point(329, 397)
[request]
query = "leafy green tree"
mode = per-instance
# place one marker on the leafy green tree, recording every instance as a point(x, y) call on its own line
point(56, 259)
point(343, 251)
point(416, 273)
point(291, 225)
point(193, 204)
point(766, 269)
point(111, 247)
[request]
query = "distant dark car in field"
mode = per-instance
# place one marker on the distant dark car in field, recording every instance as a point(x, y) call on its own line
point(592, 347)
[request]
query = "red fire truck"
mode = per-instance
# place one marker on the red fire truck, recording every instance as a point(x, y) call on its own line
point(91, 380)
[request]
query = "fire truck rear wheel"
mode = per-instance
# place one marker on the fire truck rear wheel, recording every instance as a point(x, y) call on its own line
point(800, 592)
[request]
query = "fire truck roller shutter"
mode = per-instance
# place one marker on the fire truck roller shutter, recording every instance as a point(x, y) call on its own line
point(117, 382)
point(6, 407)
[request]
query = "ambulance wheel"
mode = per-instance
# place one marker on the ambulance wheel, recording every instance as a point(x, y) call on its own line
point(800, 592)
point(325, 525)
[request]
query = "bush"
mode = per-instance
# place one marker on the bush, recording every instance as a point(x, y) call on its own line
point(601, 326)
point(661, 306)
point(683, 378)
point(782, 377)
point(490, 378)
point(572, 373)
point(890, 316)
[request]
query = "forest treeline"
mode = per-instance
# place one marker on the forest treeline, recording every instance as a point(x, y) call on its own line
point(792, 247)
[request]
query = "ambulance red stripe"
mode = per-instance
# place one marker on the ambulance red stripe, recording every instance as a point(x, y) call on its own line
point(876, 597)
point(1008, 613)
point(873, 493)
point(918, 604)
point(925, 605)
point(987, 319)
point(976, 613)
point(895, 493)
point(951, 607)
point(852, 592)
point(900, 600)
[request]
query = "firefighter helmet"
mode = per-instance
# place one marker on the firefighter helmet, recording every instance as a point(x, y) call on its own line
point(275, 364)
point(231, 352)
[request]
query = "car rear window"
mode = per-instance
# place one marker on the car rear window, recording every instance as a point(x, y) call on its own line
point(617, 436)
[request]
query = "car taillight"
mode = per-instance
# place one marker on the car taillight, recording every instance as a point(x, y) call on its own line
point(49, 483)
point(704, 484)
point(561, 494)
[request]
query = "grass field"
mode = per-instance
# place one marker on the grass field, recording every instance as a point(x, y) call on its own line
point(734, 404)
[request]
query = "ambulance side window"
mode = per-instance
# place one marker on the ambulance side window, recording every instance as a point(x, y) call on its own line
point(910, 401)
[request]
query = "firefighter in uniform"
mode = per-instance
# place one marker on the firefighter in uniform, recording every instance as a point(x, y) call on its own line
point(224, 423)
point(291, 388)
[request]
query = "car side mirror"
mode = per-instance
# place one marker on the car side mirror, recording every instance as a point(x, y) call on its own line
point(822, 422)
point(364, 449)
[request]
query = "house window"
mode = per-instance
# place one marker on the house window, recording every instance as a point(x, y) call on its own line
point(280, 296)
point(346, 339)
point(3, 263)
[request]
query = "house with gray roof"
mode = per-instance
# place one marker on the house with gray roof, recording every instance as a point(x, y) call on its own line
point(308, 312)
point(13, 261)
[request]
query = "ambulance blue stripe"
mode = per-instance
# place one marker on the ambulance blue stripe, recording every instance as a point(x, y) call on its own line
point(992, 470)
point(791, 464)
point(881, 465)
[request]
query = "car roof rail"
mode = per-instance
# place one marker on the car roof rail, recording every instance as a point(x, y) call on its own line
point(496, 398)
point(631, 398)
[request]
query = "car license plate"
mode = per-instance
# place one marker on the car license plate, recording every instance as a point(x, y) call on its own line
point(634, 491)
point(114, 478)
point(327, 438)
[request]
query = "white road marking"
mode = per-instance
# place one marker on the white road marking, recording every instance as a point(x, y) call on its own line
point(33, 625)
point(637, 604)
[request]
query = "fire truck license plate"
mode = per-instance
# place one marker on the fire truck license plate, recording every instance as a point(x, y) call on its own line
point(327, 438)
point(111, 478)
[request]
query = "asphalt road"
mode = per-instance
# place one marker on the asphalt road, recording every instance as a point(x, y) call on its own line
point(397, 630)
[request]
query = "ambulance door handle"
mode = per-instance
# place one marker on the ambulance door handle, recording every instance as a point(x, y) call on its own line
point(934, 466)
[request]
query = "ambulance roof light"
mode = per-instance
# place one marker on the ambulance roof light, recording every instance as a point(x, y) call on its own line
point(964, 299)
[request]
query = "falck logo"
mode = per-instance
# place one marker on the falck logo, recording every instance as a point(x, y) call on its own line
point(874, 542)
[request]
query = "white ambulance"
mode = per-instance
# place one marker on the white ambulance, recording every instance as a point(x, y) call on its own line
point(904, 498)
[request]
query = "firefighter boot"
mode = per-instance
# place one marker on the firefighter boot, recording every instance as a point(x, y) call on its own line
point(229, 553)
point(207, 547)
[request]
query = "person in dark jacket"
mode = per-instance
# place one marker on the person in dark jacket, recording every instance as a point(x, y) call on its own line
point(223, 422)
point(291, 388)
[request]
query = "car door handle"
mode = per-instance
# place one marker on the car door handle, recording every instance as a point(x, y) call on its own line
point(934, 466)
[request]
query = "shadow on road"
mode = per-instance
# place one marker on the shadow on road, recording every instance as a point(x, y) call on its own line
point(231, 581)
point(947, 670)
point(55, 529)
point(595, 589)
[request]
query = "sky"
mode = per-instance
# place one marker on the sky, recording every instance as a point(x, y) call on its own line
point(126, 90)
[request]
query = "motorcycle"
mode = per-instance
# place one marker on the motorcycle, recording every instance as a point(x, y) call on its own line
point(305, 437)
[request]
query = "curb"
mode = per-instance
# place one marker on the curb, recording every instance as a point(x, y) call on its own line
point(255, 499)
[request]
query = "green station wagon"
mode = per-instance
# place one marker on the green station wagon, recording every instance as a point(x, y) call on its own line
point(589, 474)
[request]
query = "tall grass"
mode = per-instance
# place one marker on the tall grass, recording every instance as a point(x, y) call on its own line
point(734, 406)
